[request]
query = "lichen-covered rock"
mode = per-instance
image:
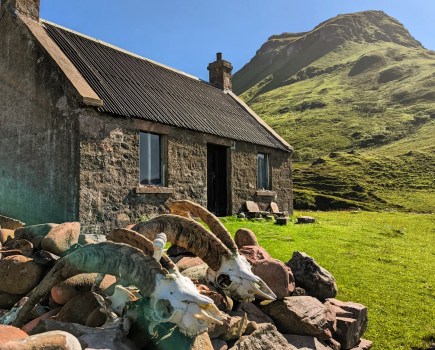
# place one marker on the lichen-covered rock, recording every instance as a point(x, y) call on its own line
point(61, 238)
point(265, 338)
point(197, 273)
point(305, 342)
point(301, 315)
point(20, 274)
point(49, 340)
point(244, 237)
point(308, 274)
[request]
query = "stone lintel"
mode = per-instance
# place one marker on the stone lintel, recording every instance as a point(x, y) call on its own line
point(265, 193)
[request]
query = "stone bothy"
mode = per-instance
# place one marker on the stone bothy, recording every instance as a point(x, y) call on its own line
point(92, 133)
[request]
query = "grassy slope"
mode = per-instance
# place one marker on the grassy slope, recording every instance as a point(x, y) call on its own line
point(345, 101)
point(382, 260)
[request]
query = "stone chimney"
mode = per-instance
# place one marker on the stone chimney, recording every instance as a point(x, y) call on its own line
point(28, 8)
point(220, 73)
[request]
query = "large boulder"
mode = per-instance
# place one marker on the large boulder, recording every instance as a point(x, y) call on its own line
point(308, 274)
point(49, 340)
point(244, 237)
point(19, 274)
point(266, 337)
point(301, 315)
point(352, 322)
point(61, 238)
point(273, 272)
point(305, 342)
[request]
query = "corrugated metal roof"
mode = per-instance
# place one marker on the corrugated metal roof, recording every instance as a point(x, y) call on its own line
point(132, 86)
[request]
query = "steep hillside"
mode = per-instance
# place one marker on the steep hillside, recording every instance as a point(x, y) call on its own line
point(357, 83)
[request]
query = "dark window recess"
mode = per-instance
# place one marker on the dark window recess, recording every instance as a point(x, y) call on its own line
point(151, 159)
point(263, 170)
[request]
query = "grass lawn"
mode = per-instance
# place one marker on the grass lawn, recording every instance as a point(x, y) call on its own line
point(385, 261)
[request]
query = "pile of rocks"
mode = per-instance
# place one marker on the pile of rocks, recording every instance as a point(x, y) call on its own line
point(305, 315)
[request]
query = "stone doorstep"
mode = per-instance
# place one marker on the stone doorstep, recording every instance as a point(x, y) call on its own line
point(264, 193)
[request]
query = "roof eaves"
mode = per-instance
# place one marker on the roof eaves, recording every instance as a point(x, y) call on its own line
point(242, 104)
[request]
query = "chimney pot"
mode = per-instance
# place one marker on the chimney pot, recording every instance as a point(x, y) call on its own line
point(220, 73)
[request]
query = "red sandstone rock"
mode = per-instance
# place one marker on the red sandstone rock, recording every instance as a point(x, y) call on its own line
point(302, 315)
point(254, 253)
point(9, 333)
point(188, 262)
point(49, 340)
point(305, 342)
point(254, 313)
point(20, 274)
point(78, 309)
point(245, 237)
point(266, 337)
point(275, 274)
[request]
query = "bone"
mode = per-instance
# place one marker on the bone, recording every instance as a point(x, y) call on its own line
point(187, 234)
point(134, 239)
point(107, 257)
point(158, 245)
point(186, 207)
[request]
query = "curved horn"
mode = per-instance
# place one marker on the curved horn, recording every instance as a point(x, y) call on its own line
point(187, 234)
point(116, 259)
point(134, 239)
point(184, 207)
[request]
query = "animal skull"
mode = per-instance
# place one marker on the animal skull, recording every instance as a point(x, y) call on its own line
point(176, 300)
point(236, 279)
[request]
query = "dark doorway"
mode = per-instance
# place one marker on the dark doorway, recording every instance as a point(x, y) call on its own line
point(217, 189)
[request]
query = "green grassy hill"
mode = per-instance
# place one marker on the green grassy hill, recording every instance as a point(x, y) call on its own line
point(356, 98)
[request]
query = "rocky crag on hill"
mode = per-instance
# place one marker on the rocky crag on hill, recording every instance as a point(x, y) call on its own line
point(355, 96)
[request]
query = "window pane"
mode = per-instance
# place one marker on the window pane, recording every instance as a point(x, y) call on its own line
point(263, 171)
point(150, 164)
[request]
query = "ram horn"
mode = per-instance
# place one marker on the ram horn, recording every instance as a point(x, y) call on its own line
point(185, 207)
point(134, 239)
point(187, 234)
point(120, 260)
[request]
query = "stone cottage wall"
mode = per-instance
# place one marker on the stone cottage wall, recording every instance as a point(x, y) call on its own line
point(38, 131)
point(110, 194)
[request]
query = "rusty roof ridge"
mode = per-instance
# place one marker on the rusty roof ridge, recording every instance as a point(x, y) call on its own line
point(123, 50)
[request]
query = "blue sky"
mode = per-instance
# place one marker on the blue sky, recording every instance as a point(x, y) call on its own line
point(186, 34)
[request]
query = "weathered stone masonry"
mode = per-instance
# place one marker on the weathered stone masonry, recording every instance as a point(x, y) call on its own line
point(109, 175)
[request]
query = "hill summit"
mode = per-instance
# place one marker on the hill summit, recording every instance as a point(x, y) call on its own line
point(355, 96)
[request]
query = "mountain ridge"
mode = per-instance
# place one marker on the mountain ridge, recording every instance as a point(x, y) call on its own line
point(356, 92)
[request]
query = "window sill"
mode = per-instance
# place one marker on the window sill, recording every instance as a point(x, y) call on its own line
point(265, 193)
point(154, 190)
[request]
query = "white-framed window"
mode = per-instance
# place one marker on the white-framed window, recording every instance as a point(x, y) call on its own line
point(263, 171)
point(152, 165)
